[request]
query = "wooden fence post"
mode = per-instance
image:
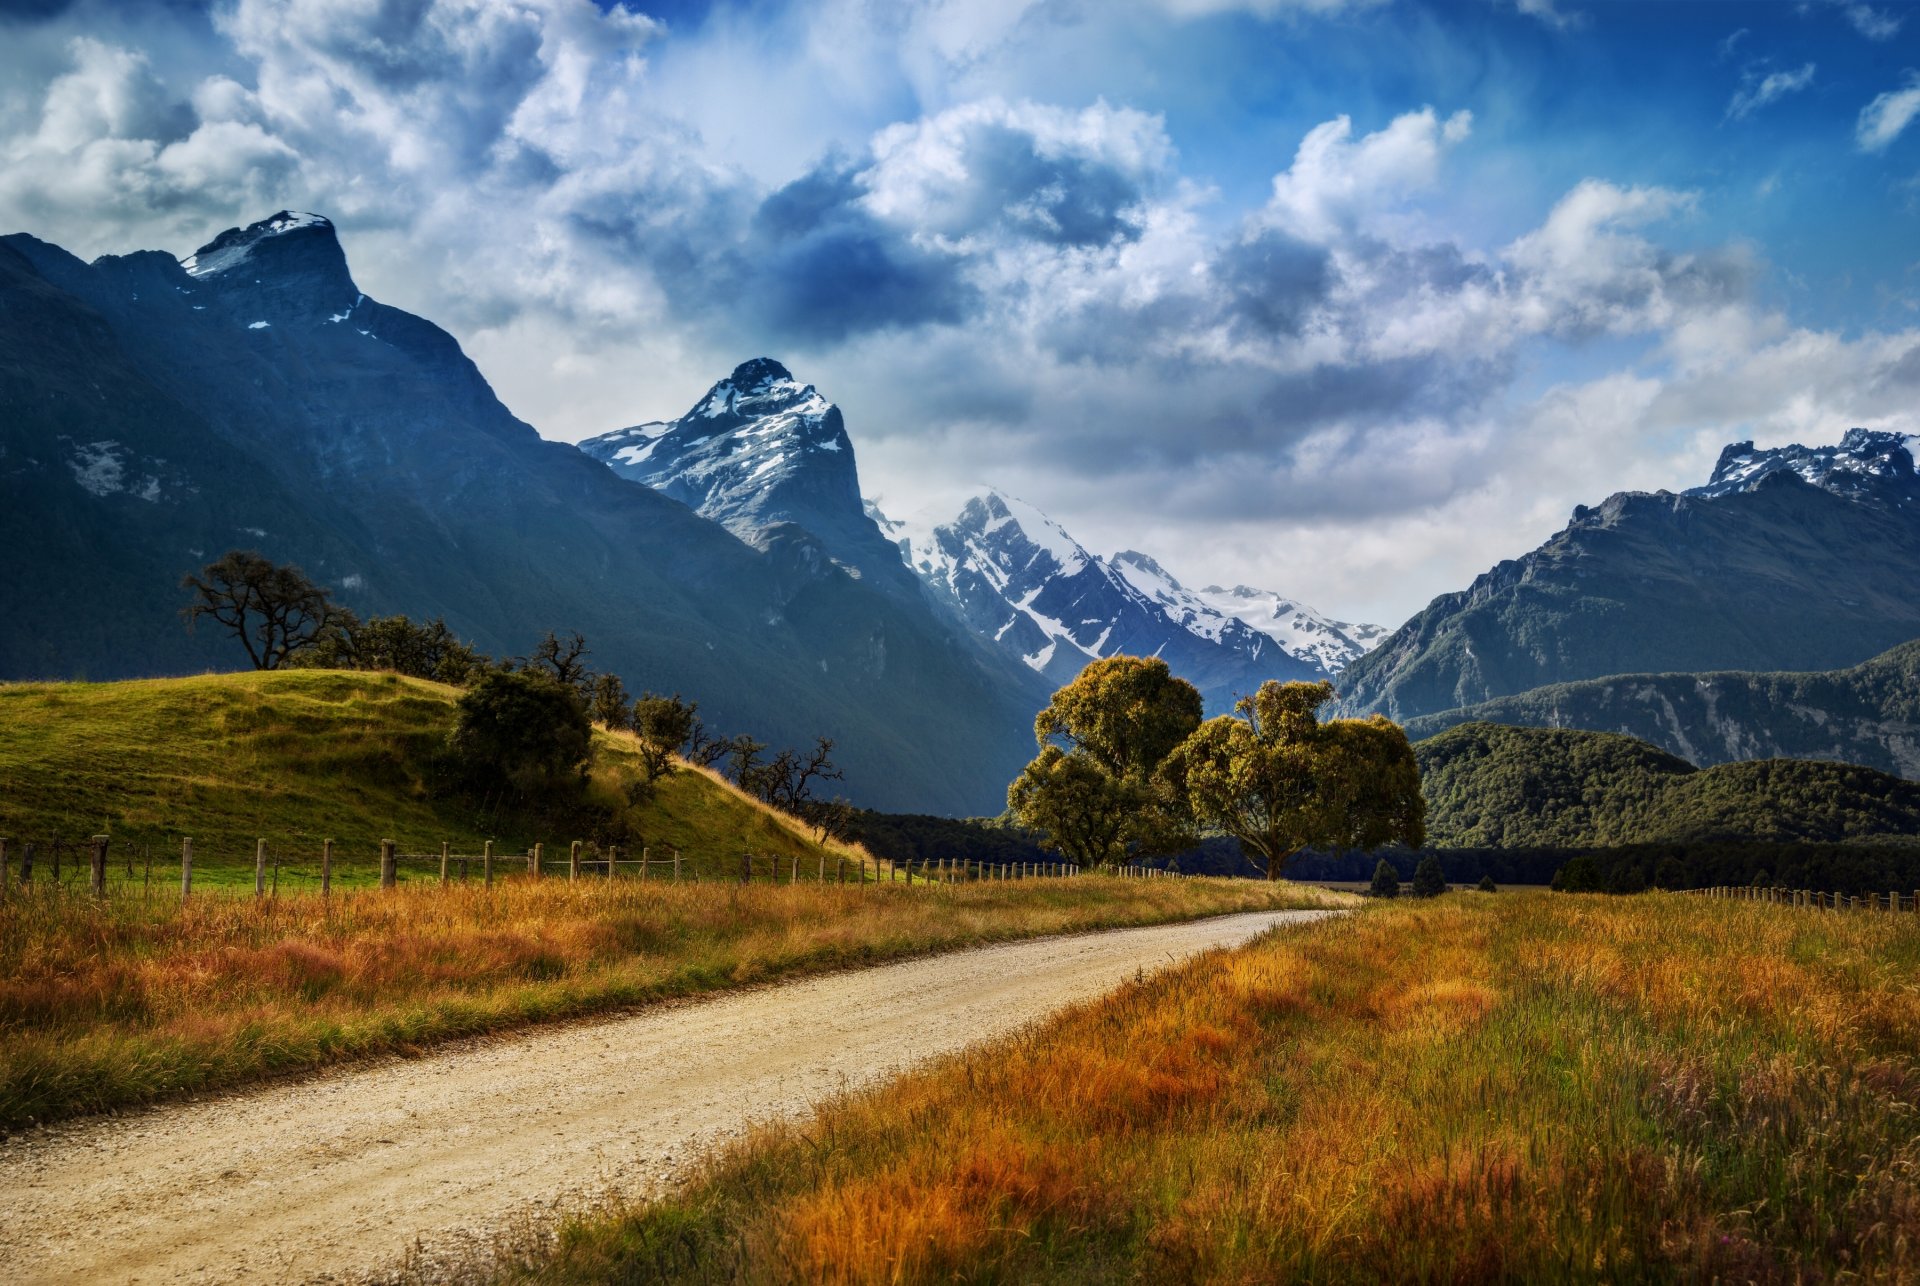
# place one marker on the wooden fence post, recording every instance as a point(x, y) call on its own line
point(534, 855)
point(389, 869)
point(676, 865)
point(259, 868)
point(573, 861)
point(98, 875)
point(326, 868)
point(613, 856)
point(186, 868)
point(446, 851)
point(746, 869)
point(486, 864)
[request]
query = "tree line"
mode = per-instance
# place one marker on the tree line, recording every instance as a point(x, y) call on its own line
point(524, 727)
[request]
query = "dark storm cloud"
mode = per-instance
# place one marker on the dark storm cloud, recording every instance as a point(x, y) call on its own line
point(1274, 280)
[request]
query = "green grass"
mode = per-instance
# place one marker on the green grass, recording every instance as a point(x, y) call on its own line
point(297, 757)
point(1529, 1087)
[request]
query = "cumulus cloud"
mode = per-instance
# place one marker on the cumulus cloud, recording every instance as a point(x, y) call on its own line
point(1882, 120)
point(1756, 91)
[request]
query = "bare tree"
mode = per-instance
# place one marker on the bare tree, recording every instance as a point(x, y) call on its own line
point(564, 660)
point(273, 610)
point(705, 748)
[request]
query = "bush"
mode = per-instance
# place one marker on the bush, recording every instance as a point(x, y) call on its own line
point(1386, 881)
point(1429, 881)
point(1487, 885)
point(1581, 875)
point(522, 734)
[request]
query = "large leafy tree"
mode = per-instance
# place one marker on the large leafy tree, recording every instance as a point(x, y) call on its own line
point(1092, 792)
point(273, 609)
point(1278, 780)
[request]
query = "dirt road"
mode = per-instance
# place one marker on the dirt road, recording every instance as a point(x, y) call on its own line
point(333, 1178)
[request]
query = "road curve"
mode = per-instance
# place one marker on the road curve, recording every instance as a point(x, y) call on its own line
point(333, 1178)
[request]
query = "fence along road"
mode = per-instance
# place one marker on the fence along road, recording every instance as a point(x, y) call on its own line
point(337, 1176)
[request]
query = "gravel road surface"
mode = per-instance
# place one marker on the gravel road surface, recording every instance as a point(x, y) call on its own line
point(334, 1177)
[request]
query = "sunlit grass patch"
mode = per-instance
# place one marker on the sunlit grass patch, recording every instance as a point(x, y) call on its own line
point(1536, 1087)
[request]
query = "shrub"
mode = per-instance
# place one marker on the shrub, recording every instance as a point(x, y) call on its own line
point(1428, 879)
point(521, 734)
point(1487, 885)
point(1386, 881)
point(1581, 875)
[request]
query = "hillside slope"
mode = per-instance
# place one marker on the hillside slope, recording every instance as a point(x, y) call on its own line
point(1795, 559)
point(1868, 714)
point(296, 757)
point(1493, 786)
point(156, 412)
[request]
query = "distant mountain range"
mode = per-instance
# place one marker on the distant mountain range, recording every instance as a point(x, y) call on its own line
point(768, 457)
point(159, 411)
point(156, 412)
point(1791, 559)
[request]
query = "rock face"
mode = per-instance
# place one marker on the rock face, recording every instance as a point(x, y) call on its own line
point(762, 455)
point(1015, 577)
point(1867, 714)
point(1795, 559)
point(155, 412)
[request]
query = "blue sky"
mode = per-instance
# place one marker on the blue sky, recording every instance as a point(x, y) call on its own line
point(1341, 298)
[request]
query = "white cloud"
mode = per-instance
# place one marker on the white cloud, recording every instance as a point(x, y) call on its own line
point(1758, 91)
point(1337, 183)
point(1882, 120)
point(1872, 23)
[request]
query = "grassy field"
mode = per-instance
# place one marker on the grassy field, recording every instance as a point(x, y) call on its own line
point(108, 1004)
point(297, 757)
point(1513, 1086)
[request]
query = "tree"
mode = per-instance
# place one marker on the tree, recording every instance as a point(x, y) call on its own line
point(1278, 780)
point(565, 661)
point(1081, 811)
point(607, 704)
point(428, 650)
point(1091, 792)
point(1487, 885)
point(1429, 881)
point(1386, 881)
point(522, 734)
point(1581, 875)
point(274, 610)
point(663, 725)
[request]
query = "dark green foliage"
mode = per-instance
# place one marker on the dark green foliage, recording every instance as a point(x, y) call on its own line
point(1859, 715)
point(1386, 881)
point(1581, 875)
point(519, 735)
point(1486, 885)
point(1428, 879)
point(394, 644)
point(664, 726)
point(900, 837)
point(1489, 785)
point(607, 706)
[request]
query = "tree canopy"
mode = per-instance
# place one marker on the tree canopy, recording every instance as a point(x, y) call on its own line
point(1093, 793)
point(1276, 779)
point(272, 608)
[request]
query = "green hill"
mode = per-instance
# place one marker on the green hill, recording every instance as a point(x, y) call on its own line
point(296, 757)
point(1866, 714)
point(1496, 786)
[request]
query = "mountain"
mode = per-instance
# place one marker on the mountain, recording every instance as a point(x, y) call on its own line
point(1793, 559)
point(155, 412)
point(1489, 785)
point(1868, 714)
point(766, 457)
point(1015, 577)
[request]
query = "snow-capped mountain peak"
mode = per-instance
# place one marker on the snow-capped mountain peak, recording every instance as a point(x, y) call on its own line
point(235, 246)
point(1019, 579)
point(1863, 461)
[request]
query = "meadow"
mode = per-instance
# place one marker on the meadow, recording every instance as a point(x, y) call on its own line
point(105, 1004)
point(1484, 1087)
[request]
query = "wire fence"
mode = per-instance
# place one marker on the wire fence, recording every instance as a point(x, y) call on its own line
point(1814, 898)
point(105, 866)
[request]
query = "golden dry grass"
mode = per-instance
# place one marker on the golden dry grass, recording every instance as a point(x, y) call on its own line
point(1515, 1087)
point(123, 1001)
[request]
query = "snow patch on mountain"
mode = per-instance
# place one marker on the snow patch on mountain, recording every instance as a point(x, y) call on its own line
point(1864, 460)
point(234, 247)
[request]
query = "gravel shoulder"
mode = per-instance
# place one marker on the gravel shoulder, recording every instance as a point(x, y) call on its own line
point(334, 1178)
